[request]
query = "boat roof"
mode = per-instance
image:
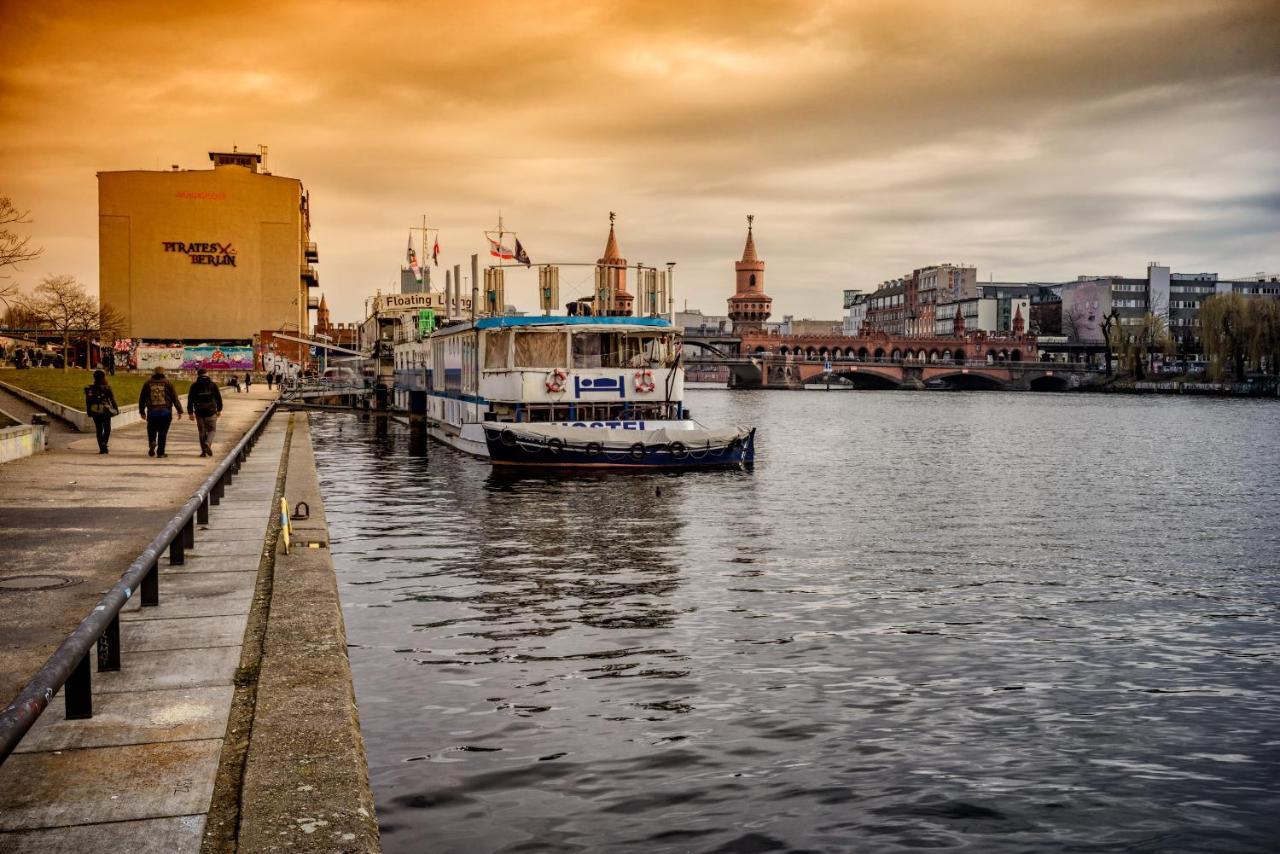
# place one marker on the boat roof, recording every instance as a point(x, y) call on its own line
point(565, 320)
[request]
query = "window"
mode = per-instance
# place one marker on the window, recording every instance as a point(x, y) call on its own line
point(586, 349)
point(540, 350)
point(496, 346)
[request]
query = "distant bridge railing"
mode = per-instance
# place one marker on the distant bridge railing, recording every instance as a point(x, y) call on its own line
point(69, 667)
point(845, 362)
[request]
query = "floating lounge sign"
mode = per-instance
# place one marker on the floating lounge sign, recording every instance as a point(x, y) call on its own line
point(212, 254)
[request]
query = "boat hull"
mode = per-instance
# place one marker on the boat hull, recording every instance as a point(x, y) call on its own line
point(529, 452)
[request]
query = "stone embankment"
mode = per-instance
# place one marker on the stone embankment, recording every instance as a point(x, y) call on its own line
point(232, 723)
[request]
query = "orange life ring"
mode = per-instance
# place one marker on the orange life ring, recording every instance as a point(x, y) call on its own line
point(556, 380)
point(644, 381)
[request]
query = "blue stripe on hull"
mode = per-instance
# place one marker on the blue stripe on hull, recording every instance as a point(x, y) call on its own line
point(651, 458)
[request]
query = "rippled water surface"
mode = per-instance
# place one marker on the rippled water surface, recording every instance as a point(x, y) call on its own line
point(996, 622)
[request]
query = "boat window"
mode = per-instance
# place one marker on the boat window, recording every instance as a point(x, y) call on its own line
point(586, 349)
point(497, 345)
point(540, 350)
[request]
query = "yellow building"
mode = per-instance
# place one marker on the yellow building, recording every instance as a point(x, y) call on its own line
point(215, 255)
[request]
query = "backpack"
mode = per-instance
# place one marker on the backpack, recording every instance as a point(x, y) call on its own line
point(201, 400)
point(156, 395)
point(96, 399)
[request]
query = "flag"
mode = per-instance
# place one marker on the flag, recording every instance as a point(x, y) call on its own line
point(521, 255)
point(435, 251)
point(497, 250)
point(413, 260)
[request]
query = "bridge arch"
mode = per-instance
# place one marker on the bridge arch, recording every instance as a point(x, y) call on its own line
point(879, 354)
point(896, 355)
point(1048, 383)
point(867, 381)
point(959, 356)
point(972, 382)
point(862, 354)
point(1015, 356)
point(934, 355)
point(703, 345)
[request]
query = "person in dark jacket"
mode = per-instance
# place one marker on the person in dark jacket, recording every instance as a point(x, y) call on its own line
point(100, 403)
point(156, 402)
point(204, 405)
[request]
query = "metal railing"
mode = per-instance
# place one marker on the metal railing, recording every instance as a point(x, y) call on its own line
point(69, 666)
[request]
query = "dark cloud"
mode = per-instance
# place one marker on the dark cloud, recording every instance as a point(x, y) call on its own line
point(1036, 140)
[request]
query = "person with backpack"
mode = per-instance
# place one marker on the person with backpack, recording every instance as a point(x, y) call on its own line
point(100, 403)
point(204, 405)
point(156, 403)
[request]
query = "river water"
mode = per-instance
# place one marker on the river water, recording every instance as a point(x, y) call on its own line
point(980, 621)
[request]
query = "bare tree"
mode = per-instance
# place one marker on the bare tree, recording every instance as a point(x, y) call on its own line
point(14, 249)
point(1075, 322)
point(1108, 323)
point(62, 305)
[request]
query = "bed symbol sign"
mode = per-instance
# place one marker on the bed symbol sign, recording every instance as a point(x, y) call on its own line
point(599, 385)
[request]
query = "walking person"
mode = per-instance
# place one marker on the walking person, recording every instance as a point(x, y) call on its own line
point(271, 376)
point(100, 403)
point(248, 380)
point(204, 405)
point(156, 402)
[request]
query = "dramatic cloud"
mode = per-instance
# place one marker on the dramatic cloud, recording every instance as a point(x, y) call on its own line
point(1036, 140)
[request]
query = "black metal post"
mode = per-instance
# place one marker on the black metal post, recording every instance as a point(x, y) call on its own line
point(151, 586)
point(176, 557)
point(77, 693)
point(202, 514)
point(215, 494)
point(189, 533)
point(109, 647)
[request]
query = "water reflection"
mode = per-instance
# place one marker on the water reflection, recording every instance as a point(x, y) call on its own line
point(912, 625)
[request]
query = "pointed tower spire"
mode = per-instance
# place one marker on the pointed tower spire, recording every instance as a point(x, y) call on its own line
point(749, 251)
point(615, 273)
point(749, 307)
point(1019, 325)
point(611, 252)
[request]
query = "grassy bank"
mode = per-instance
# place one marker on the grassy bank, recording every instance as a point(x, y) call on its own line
point(67, 387)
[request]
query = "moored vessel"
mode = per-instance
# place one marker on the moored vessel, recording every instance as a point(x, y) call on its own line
point(593, 387)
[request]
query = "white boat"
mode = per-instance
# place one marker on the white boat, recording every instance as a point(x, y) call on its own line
point(564, 391)
point(595, 387)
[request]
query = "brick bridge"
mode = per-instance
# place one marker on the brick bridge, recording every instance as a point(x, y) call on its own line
point(977, 361)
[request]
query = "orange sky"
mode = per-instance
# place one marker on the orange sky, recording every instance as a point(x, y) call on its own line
point(1036, 140)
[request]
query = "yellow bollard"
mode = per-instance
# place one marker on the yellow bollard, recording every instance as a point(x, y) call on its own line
point(285, 528)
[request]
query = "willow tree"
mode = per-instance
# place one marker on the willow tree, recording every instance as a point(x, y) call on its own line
point(1226, 331)
point(1144, 339)
point(1264, 333)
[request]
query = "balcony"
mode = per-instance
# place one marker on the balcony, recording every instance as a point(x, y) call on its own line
point(313, 303)
point(312, 253)
point(310, 276)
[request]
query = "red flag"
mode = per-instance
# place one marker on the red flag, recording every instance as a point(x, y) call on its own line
point(435, 252)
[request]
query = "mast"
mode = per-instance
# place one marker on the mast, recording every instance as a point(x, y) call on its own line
point(424, 229)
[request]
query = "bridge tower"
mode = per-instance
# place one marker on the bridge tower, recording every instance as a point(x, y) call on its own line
point(749, 307)
point(322, 317)
point(614, 268)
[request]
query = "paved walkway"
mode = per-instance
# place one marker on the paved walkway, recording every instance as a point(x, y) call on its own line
point(59, 434)
point(71, 520)
point(139, 775)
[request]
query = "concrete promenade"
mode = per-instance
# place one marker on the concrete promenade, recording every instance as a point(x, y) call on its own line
point(71, 520)
point(232, 723)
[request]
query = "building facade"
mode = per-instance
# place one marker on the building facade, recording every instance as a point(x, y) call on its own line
point(982, 314)
point(215, 255)
point(409, 283)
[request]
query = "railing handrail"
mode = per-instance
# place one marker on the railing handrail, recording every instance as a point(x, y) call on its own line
point(19, 716)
